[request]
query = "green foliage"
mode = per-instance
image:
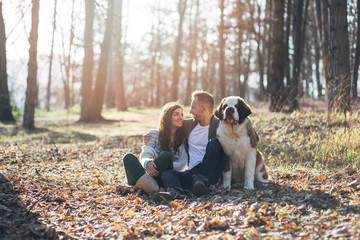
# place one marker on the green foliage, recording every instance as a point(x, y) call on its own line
point(16, 111)
point(42, 112)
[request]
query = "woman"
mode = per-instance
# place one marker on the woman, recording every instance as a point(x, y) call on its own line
point(165, 151)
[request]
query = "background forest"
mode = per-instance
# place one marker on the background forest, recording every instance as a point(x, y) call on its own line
point(122, 53)
point(69, 66)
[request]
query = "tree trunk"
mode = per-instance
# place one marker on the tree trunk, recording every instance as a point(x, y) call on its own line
point(222, 82)
point(121, 100)
point(277, 58)
point(269, 22)
point(192, 53)
point(152, 71)
point(88, 63)
point(308, 70)
point(317, 36)
point(110, 92)
point(176, 73)
point(244, 88)
point(260, 57)
point(159, 85)
point(48, 90)
point(240, 7)
point(325, 43)
point(99, 91)
point(302, 42)
point(31, 89)
point(297, 36)
point(339, 66)
point(357, 55)
point(289, 14)
point(66, 81)
point(5, 107)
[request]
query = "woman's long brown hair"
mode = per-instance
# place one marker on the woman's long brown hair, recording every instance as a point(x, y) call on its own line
point(165, 128)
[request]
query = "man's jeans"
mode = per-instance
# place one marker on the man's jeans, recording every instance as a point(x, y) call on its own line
point(210, 167)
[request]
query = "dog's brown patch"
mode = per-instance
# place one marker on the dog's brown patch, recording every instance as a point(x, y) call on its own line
point(252, 135)
point(259, 160)
point(266, 175)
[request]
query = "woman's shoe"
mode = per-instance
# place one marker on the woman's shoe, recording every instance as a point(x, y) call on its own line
point(123, 190)
point(147, 184)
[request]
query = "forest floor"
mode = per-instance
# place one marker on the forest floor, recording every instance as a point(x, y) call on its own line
point(59, 182)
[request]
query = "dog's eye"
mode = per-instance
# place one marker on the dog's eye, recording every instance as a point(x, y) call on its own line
point(224, 106)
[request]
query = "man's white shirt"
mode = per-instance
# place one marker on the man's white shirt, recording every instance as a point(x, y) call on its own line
point(198, 140)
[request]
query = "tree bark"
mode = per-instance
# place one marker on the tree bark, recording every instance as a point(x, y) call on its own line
point(277, 58)
point(5, 107)
point(317, 63)
point(48, 90)
point(176, 73)
point(88, 62)
point(121, 100)
point(357, 55)
point(294, 85)
point(260, 57)
point(152, 71)
point(192, 53)
point(289, 14)
point(268, 29)
point(99, 91)
point(222, 81)
point(159, 85)
point(325, 42)
point(339, 65)
point(240, 28)
point(66, 81)
point(31, 89)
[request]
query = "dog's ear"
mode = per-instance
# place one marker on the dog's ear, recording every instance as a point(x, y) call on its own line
point(243, 109)
point(218, 111)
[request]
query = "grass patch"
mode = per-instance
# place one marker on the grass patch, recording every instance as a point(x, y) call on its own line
point(61, 127)
point(302, 140)
point(310, 140)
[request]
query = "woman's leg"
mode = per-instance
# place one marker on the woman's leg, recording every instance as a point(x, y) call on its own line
point(133, 168)
point(164, 162)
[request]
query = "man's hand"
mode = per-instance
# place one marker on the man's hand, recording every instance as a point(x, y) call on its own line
point(146, 138)
point(151, 169)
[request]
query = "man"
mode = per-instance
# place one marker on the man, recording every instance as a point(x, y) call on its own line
point(204, 149)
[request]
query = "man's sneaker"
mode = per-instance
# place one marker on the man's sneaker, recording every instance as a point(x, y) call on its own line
point(162, 196)
point(170, 195)
point(200, 183)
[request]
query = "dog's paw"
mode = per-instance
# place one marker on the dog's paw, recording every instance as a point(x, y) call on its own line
point(227, 186)
point(249, 186)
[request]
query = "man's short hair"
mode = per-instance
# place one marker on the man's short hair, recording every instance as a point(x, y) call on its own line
point(204, 97)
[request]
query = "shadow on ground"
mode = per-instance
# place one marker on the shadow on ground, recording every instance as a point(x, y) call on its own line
point(16, 221)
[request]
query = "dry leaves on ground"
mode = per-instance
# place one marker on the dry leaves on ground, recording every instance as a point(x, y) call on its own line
point(51, 192)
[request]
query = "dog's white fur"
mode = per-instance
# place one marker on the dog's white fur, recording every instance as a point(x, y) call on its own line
point(238, 139)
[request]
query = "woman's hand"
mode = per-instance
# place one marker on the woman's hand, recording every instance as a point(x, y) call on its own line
point(146, 138)
point(151, 169)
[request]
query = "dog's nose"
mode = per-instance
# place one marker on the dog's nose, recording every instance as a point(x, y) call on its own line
point(229, 111)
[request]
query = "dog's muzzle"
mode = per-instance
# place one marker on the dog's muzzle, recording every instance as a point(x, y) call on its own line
point(229, 115)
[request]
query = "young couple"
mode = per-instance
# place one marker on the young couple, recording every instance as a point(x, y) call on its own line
point(181, 154)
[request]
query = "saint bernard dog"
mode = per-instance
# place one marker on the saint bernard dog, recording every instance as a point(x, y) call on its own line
point(244, 162)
